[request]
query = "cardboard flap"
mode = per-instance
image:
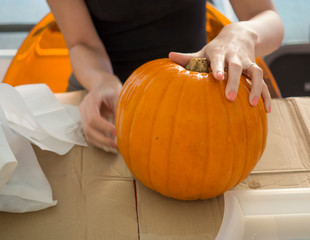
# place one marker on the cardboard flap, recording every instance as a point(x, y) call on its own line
point(169, 219)
point(287, 148)
point(302, 106)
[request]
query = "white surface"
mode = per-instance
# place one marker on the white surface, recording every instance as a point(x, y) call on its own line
point(273, 214)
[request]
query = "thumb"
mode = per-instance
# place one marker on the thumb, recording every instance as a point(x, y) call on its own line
point(183, 58)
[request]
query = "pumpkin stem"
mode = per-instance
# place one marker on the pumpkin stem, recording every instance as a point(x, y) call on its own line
point(198, 65)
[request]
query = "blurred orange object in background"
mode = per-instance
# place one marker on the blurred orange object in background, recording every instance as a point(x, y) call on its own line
point(42, 58)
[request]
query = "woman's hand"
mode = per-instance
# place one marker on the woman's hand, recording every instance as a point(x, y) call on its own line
point(233, 50)
point(97, 112)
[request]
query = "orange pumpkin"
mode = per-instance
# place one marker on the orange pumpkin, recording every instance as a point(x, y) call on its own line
point(180, 136)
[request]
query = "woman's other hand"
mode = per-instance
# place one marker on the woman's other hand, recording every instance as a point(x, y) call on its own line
point(97, 113)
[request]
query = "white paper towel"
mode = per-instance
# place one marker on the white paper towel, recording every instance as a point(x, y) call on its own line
point(34, 112)
point(8, 161)
point(27, 189)
point(31, 113)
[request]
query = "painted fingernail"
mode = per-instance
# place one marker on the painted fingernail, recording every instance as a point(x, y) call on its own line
point(232, 95)
point(220, 75)
point(254, 101)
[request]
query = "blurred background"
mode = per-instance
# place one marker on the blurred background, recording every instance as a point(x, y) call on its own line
point(289, 64)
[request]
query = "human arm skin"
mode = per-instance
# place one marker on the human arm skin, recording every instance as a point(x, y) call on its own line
point(259, 32)
point(92, 67)
point(262, 17)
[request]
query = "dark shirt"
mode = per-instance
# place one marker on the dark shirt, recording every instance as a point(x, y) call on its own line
point(138, 31)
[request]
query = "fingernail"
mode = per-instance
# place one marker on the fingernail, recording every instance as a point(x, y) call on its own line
point(254, 101)
point(232, 95)
point(220, 75)
point(114, 133)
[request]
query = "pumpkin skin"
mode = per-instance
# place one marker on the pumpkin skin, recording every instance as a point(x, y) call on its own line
point(181, 137)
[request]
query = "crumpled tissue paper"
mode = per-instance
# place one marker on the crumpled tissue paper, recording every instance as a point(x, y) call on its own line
point(32, 114)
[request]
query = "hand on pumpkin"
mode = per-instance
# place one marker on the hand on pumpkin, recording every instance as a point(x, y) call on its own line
point(97, 113)
point(234, 50)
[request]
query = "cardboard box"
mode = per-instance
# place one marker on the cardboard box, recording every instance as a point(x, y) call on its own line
point(99, 199)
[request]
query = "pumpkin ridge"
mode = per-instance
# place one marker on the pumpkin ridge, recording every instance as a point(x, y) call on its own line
point(173, 128)
point(239, 177)
point(250, 166)
point(246, 120)
point(224, 101)
point(206, 161)
point(155, 77)
point(147, 83)
point(198, 77)
point(234, 158)
point(246, 137)
point(131, 84)
point(141, 71)
point(128, 90)
point(152, 132)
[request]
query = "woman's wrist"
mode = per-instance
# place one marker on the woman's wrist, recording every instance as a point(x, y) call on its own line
point(102, 78)
point(91, 66)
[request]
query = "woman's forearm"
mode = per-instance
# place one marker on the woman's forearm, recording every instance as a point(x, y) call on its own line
point(90, 62)
point(261, 18)
point(269, 30)
point(91, 66)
